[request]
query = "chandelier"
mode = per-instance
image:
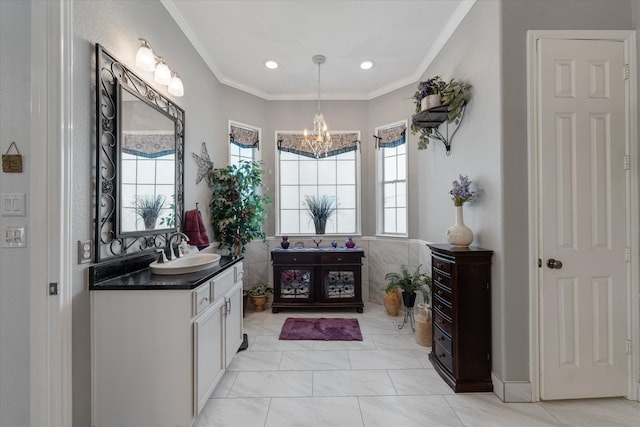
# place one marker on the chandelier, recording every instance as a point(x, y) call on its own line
point(320, 140)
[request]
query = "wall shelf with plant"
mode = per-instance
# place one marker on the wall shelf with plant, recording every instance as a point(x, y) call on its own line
point(450, 108)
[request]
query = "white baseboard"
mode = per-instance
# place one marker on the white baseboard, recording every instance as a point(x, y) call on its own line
point(512, 391)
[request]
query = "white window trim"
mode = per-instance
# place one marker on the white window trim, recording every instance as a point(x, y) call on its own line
point(379, 183)
point(276, 203)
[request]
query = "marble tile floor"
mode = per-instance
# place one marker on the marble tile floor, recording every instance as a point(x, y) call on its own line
point(384, 380)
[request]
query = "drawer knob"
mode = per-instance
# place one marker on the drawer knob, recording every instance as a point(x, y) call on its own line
point(339, 259)
point(295, 259)
point(439, 321)
point(439, 292)
point(205, 299)
point(439, 306)
point(440, 338)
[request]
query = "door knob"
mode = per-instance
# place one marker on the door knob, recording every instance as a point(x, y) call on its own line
point(553, 263)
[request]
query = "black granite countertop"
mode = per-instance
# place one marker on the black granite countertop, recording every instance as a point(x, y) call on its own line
point(135, 274)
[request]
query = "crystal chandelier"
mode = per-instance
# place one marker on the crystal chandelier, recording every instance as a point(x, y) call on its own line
point(320, 140)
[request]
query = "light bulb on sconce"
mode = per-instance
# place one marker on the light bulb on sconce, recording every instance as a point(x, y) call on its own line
point(175, 85)
point(148, 60)
point(162, 74)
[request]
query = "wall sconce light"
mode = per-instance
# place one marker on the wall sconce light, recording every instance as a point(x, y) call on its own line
point(148, 60)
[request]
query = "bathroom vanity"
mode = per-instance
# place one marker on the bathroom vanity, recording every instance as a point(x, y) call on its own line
point(160, 344)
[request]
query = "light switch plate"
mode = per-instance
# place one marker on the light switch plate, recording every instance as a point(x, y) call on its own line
point(13, 204)
point(14, 236)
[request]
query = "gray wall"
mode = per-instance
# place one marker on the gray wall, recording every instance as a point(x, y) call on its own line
point(117, 25)
point(517, 18)
point(15, 89)
point(488, 50)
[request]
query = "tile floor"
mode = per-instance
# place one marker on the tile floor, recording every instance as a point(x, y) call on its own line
point(384, 380)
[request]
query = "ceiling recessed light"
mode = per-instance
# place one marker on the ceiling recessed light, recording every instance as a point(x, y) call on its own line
point(270, 64)
point(366, 65)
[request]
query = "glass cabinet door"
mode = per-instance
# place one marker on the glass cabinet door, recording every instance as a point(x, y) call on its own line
point(293, 285)
point(338, 284)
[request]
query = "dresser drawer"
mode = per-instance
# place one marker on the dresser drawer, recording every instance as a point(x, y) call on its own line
point(443, 306)
point(442, 279)
point(341, 258)
point(444, 357)
point(293, 258)
point(442, 265)
point(201, 298)
point(221, 283)
point(442, 322)
point(441, 339)
point(443, 293)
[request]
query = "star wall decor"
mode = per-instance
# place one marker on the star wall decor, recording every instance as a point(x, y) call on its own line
point(205, 165)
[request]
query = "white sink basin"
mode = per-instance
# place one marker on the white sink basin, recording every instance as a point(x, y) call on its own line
point(187, 264)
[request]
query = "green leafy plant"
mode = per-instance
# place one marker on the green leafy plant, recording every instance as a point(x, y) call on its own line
point(147, 207)
point(410, 282)
point(455, 95)
point(259, 290)
point(320, 210)
point(170, 219)
point(238, 207)
point(432, 86)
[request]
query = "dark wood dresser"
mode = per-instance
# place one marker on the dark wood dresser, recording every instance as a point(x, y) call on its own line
point(461, 348)
point(310, 277)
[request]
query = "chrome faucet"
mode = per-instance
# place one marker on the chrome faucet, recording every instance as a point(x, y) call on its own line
point(178, 253)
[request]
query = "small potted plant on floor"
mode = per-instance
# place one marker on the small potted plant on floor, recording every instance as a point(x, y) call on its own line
point(259, 295)
point(410, 283)
point(391, 300)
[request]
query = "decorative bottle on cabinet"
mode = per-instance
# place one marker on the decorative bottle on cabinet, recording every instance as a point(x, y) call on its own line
point(461, 305)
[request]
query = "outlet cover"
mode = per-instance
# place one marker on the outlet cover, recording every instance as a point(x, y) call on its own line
point(85, 251)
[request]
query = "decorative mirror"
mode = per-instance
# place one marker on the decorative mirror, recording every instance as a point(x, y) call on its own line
point(139, 164)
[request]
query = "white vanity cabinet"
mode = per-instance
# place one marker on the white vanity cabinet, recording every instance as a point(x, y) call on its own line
point(157, 355)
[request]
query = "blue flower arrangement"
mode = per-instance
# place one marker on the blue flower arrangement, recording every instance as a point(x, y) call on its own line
point(461, 191)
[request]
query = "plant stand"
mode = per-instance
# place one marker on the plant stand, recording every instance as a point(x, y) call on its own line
point(408, 316)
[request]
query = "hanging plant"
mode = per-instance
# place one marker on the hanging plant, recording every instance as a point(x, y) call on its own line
point(454, 95)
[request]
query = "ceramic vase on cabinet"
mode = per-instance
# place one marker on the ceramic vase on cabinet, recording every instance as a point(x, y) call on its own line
point(459, 234)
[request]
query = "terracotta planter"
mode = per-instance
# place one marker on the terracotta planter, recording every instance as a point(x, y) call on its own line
point(259, 302)
point(392, 302)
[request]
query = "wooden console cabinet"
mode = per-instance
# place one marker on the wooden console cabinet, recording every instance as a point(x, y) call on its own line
point(324, 277)
point(461, 347)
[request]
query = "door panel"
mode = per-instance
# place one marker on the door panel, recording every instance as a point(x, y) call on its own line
point(583, 310)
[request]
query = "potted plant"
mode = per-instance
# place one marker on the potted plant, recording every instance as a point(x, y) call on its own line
point(391, 299)
point(320, 209)
point(428, 93)
point(410, 284)
point(454, 94)
point(259, 295)
point(148, 208)
point(238, 208)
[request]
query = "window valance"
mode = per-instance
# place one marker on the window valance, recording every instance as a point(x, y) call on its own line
point(149, 145)
point(243, 137)
point(340, 143)
point(392, 136)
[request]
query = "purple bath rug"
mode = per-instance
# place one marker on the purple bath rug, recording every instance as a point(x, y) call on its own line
point(323, 329)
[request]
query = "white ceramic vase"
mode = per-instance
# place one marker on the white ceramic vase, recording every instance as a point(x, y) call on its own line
point(459, 234)
point(430, 101)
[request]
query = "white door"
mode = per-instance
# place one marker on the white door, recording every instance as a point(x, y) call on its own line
point(582, 219)
point(208, 333)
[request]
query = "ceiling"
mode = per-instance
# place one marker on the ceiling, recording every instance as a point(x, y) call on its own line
point(235, 37)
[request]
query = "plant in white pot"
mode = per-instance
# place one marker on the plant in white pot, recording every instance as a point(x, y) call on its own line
point(454, 95)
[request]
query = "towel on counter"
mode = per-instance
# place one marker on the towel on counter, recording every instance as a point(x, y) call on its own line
point(194, 229)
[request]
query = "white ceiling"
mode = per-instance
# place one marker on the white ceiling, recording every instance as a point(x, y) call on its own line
point(235, 37)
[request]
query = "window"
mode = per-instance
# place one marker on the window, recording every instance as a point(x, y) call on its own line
point(335, 175)
point(244, 143)
point(392, 168)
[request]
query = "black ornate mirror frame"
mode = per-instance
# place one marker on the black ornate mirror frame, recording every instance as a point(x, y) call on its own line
point(109, 73)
